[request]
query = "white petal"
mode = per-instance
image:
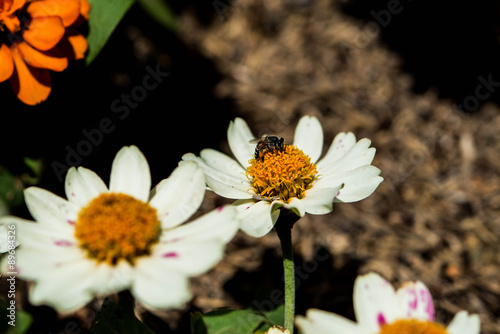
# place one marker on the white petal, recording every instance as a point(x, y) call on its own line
point(9, 239)
point(65, 288)
point(321, 322)
point(220, 224)
point(108, 279)
point(130, 174)
point(50, 209)
point(239, 136)
point(341, 144)
point(415, 301)
point(296, 206)
point(375, 302)
point(190, 258)
point(179, 196)
point(319, 201)
point(83, 185)
point(463, 323)
point(222, 183)
point(309, 137)
point(256, 218)
point(159, 287)
point(222, 162)
point(34, 263)
point(40, 236)
point(358, 183)
point(359, 155)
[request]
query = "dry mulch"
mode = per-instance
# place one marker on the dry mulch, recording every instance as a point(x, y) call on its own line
point(435, 218)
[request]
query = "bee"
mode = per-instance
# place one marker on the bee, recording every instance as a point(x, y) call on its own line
point(266, 144)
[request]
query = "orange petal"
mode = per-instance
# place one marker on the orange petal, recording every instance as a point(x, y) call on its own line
point(84, 9)
point(44, 32)
point(42, 59)
point(14, 5)
point(12, 23)
point(7, 66)
point(32, 85)
point(67, 10)
point(78, 44)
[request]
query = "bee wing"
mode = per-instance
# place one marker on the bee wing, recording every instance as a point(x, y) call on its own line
point(256, 140)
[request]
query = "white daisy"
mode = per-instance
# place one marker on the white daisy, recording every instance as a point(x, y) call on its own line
point(379, 309)
point(291, 178)
point(100, 241)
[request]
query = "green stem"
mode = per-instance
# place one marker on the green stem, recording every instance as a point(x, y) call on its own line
point(284, 229)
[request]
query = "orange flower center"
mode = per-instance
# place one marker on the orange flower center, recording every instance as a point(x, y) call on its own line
point(114, 226)
point(413, 326)
point(281, 174)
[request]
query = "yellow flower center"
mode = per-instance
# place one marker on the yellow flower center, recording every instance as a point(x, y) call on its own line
point(413, 326)
point(281, 174)
point(117, 226)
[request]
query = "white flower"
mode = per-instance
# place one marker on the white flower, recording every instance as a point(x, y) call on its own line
point(379, 309)
point(100, 241)
point(291, 178)
point(277, 330)
point(8, 238)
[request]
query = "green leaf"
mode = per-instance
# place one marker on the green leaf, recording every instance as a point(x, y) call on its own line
point(161, 12)
point(11, 189)
point(104, 17)
point(276, 316)
point(22, 320)
point(223, 321)
point(118, 319)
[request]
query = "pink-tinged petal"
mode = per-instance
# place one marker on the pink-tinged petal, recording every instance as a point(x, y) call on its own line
point(170, 255)
point(190, 258)
point(63, 243)
point(415, 301)
point(50, 209)
point(374, 301)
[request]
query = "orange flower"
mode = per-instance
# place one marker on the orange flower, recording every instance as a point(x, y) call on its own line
point(38, 36)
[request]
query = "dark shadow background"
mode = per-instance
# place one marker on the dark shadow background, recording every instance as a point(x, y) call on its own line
point(444, 45)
